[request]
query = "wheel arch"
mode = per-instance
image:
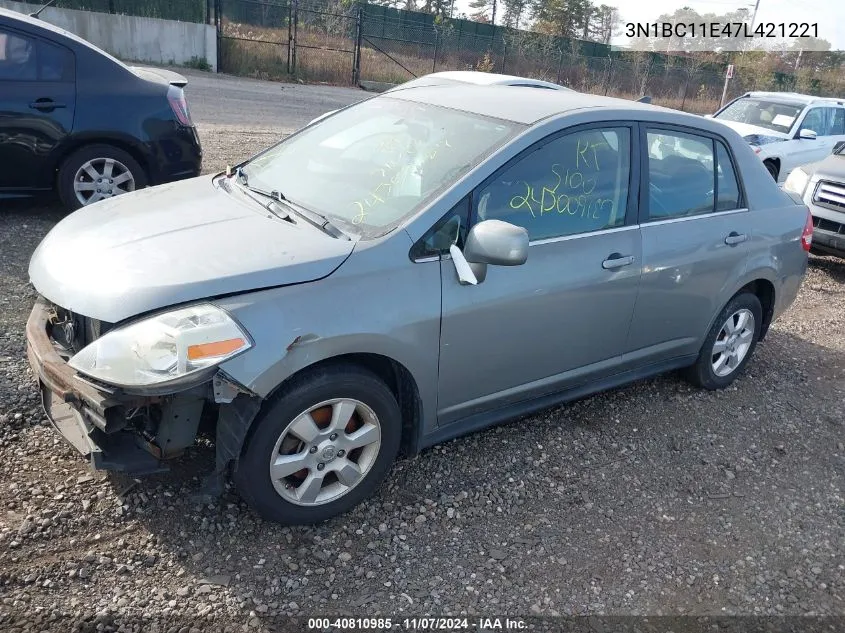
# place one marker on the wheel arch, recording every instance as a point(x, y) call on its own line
point(394, 374)
point(764, 289)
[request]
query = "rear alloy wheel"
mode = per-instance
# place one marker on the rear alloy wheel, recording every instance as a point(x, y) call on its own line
point(729, 344)
point(98, 172)
point(320, 446)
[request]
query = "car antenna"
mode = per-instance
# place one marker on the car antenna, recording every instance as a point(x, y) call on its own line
point(35, 15)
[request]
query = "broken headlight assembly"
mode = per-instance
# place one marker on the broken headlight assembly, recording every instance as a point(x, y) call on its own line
point(178, 349)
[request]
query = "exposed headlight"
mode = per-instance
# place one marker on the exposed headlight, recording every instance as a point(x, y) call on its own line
point(797, 181)
point(169, 347)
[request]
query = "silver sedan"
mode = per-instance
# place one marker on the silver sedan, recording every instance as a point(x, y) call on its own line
point(417, 266)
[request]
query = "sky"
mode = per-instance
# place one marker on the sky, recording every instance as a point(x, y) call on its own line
point(829, 14)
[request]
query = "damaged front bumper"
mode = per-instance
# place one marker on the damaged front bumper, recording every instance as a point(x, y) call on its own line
point(132, 433)
point(91, 418)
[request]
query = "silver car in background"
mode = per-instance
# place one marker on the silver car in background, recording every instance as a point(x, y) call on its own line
point(418, 266)
point(470, 77)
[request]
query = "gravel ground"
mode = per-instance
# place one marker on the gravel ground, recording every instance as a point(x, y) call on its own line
point(653, 499)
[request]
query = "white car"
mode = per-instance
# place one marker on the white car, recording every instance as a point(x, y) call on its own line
point(468, 77)
point(786, 129)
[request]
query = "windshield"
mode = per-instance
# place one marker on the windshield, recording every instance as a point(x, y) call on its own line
point(772, 115)
point(376, 163)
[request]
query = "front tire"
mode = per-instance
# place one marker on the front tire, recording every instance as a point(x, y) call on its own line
point(772, 169)
point(729, 343)
point(323, 444)
point(98, 172)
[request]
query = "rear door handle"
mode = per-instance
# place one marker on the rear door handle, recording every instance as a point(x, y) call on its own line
point(616, 260)
point(46, 104)
point(735, 238)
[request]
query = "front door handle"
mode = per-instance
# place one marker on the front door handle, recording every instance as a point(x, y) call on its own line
point(46, 104)
point(617, 260)
point(735, 238)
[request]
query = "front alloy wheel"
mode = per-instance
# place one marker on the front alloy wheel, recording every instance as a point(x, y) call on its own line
point(322, 444)
point(325, 452)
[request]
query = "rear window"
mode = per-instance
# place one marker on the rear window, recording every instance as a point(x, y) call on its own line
point(24, 58)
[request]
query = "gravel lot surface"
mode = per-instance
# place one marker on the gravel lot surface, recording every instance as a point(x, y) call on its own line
point(653, 499)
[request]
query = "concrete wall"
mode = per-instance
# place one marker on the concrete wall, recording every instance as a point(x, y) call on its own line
point(133, 38)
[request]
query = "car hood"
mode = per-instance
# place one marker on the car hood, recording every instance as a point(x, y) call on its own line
point(171, 244)
point(746, 130)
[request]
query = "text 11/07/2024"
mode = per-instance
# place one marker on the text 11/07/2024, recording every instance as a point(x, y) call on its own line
point(417, 624)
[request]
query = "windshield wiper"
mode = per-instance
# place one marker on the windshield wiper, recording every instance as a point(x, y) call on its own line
point(312, 217)
point(321, 222)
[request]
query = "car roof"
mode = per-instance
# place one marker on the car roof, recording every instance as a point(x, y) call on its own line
point(30, 21)
point(794, 97)
point(493, 79)
point(48, 29)
point(476, 78)
point(499, 101)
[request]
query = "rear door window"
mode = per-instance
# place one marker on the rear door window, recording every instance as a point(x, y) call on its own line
point(55, 63)
point(681, 174)
point(18, 60)
point(24, 58)
point(689, 174)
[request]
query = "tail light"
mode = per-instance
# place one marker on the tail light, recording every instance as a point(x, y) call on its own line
point(807, 233)
point(179, 105)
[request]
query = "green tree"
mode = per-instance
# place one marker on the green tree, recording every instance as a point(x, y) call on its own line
point(605, 22)
point(564, 18)
point(483, 11)
point(515, 12)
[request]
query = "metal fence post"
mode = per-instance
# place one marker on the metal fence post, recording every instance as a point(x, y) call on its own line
point(292, 42)
point(290, 34)
point(686, 87)
point(504, 50)
point(609, 75)
point(356, 58)
point(218, 27)
point(436, 43)
point(559, 65)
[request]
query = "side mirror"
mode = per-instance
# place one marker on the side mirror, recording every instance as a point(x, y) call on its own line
point(491, 242)
point(805, 133)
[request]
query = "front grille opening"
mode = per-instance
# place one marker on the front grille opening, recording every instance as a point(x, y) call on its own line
point(830, 194)
point(828, 225)
point(73, 332)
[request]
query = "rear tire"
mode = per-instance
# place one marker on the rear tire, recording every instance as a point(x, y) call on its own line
point(729, 343)
point(110, 169)
point(307, 459)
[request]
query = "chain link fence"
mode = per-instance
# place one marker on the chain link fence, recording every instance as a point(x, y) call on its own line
point(199, 11)
point(343, 42)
